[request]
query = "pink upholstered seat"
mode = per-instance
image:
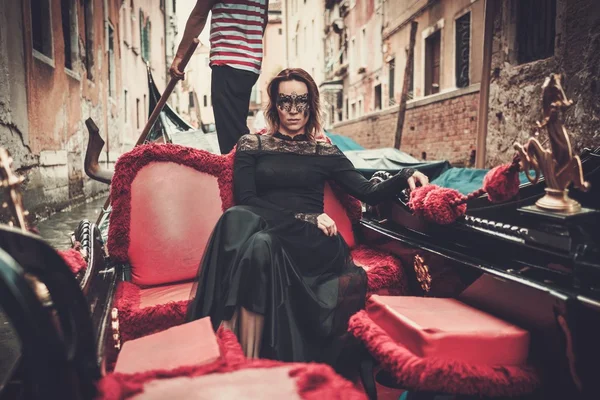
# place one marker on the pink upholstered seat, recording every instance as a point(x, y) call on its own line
point(166, 200)
point(190, 344)
point(443, 345)
point(449, 329)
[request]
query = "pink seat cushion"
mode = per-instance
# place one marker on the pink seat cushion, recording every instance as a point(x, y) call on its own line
point(158, 295)
point(173, 211)
point(184, 345)
point(334, 208)
point(252, 383)
point(448, 329)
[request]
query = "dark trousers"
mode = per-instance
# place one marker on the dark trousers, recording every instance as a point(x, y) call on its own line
point(230, 90)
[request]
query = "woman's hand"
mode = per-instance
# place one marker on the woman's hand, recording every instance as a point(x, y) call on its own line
point(326, 224)
point(417, 179)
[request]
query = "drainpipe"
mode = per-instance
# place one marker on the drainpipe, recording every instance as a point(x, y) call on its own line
point(484, 91)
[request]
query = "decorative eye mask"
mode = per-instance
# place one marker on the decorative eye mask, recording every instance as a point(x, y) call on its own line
point(285, 102)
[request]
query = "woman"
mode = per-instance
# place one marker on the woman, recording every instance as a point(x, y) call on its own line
point(275, 270)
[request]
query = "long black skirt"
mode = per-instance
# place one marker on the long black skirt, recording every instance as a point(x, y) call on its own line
point(303, 282)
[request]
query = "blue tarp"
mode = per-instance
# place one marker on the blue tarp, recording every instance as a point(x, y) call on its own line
point(466, 180)
point(343, 143)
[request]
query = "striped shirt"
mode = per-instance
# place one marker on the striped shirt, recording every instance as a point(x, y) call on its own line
point(236, 33)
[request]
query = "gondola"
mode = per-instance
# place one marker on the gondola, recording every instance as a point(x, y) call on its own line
point(532, 275)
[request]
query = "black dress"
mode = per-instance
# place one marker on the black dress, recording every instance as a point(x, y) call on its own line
point(267, 254)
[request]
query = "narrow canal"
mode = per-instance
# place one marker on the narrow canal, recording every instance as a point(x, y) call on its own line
point(56, 230)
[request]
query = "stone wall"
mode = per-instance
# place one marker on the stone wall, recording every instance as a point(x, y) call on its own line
point(515, 90)
point(444, 126)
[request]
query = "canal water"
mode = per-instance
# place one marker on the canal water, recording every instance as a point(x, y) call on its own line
point(56, 230)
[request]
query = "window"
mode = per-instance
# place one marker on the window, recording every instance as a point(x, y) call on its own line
point(190, 99)
point(353, 110)
point(145, 108)
point(536, 29)
point(347, 109)
point(125, 105)
point(360, 108)
point(304, 39)
point(280, 31)
point(432, 63)
point(391, 87)
point(363, 48)
point(88, 31)
point(174, 6)
point(145, 31)
point(69, 28)
point(111, 62)
point(205, 101)
point(353, 58)
point(340, 106)
point(41, 28)
point(137, 113)
point(378, 97)
point(463, 50)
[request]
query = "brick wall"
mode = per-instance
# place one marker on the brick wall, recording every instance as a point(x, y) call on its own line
point(444, 126)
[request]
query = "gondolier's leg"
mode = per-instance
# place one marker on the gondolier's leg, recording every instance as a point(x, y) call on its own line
point(231, 89)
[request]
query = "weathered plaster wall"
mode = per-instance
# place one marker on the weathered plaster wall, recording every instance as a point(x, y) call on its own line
point(515, 90)
point(43, 105)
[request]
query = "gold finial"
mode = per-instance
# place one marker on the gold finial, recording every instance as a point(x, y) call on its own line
point(557, 164)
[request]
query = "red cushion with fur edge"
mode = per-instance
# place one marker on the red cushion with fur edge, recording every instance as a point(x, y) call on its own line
point(433, 374)
point(189, 344)
point(233, 373)
point(146, 311)
point(448, 329)
point(384, 271)
point(164, 208)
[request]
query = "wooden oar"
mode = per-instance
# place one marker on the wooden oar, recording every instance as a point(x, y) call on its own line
point(159, 106)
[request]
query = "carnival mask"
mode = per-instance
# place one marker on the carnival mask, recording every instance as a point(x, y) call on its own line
point(286, 102)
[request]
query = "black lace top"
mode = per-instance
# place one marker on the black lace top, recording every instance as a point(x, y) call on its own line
point(289, 174)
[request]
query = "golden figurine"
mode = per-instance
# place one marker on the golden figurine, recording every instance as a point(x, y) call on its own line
point(557, 164)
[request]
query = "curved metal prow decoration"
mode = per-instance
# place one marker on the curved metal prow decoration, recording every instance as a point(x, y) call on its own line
point(557, 164)
point(92, 167)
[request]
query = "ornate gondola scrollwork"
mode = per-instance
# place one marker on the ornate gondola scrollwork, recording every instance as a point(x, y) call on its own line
point(422, 272)
point(557, 164)
point(114, 325)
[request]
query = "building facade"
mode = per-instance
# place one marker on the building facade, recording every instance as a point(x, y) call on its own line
point(522, 58)
point(367, 48)
point(303, 26)
point(64, 61)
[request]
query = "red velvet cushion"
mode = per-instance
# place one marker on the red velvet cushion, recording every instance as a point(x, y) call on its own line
point(173, 211)
point(251, 383)
point(337, 212)
point(184, 345)
point(157, 295)
point(448, 329)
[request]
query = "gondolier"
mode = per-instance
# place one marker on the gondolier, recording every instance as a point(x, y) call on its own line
point(236, 40)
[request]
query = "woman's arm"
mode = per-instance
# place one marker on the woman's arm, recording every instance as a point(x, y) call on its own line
point(193, 28)
point(355, 184)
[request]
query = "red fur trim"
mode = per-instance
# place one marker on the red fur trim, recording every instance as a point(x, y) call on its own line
point(502, 183)
point(135, 322)
point(384, 271)
point(437, 204)
point(74, 260)
point(231, 350)
point(319, 381)
point(439, 375)
point(129, 164)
